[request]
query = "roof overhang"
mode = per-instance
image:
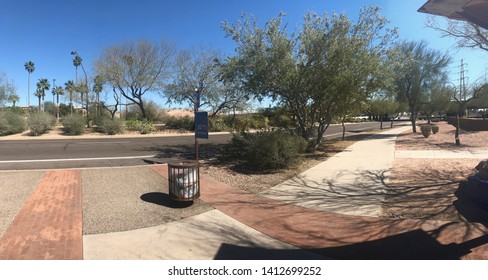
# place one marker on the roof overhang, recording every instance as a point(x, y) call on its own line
point(475, 11)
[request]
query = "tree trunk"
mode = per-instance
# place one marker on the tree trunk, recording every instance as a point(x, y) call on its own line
point(343, 130)
point(456, 135)
point(413, 120)
point(381, 123)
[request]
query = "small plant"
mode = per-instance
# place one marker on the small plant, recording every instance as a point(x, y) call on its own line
point(40, 122)
point(426, 130)
point(435, 129)
point(111, 126)
point(73, 124)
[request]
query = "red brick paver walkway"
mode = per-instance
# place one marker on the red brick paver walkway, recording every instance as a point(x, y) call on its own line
point(343, 236)
point(49, 225)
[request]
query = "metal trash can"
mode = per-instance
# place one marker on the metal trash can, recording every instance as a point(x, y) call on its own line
point(184, 180)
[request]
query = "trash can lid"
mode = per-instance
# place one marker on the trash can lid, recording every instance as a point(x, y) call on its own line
point(183, 164)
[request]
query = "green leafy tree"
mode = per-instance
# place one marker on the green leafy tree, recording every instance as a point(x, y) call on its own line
point(316, 71)
point(199, 70)
point(29, 67)
point(7, 88)
point(133, 69)
point(382, 107)
point(439, 100)
point(418, 70)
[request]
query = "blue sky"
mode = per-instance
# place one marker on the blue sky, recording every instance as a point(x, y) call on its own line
point(47, 31)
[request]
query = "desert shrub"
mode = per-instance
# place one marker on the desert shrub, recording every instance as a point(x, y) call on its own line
point(426, 130)
point(73, 124)
point(274, 150)
point(238, 145)
point(11, 123)
point(435, 129)
point(181, 123)
point(217, 125)
point(144, 127)
point(111, 126)
point(40, 122)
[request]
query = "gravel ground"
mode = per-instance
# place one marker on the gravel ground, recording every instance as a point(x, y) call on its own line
point(444, 139)
point(433, 188)
point(14, 193)
point(130, 199)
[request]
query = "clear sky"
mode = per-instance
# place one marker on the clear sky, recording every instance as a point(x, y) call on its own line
point(45, 32)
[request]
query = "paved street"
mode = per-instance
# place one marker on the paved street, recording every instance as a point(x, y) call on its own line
point(19, 153)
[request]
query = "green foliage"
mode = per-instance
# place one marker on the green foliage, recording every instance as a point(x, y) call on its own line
point(152, 110)
point(40, 122)
point(426, 129)
point(144, 127)
point(181, 123)
point(74, 124)
point(435, 129)
point(274, 150)
point(217, 125)
point(111, 126)
point(300, 69)
point(238, 145)
point(246, 122)
point(11, 122)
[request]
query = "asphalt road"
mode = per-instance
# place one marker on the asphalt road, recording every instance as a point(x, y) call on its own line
point(111, 152)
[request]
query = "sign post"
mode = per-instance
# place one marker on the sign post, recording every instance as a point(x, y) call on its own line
point(200, 123)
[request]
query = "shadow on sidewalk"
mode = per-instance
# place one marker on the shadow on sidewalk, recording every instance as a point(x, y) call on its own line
point(164, 199)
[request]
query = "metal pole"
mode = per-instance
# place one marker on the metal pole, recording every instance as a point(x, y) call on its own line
point(196, 102)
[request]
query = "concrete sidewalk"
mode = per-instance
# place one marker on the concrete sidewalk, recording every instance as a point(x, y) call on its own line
point(303, 218)
point(352, 182)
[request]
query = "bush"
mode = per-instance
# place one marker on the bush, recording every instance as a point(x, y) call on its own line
point(11, 123)
point(238, 145)
point(144, 127)
point(426, 130)
point(73, 124)
point(182, 123)
point(274, 150)
point(111, 126)
point(435, 129)
point(40, 122)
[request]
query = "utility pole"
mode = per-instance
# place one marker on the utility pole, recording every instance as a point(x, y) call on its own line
point(462, 84)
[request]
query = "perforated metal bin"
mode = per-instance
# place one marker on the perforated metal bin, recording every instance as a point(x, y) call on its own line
point(184, 180)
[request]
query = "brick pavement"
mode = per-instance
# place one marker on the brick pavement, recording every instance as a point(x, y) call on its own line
point(49, 224)
point(344, 236)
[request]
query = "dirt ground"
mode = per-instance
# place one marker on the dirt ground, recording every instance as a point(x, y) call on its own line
point(433, 188)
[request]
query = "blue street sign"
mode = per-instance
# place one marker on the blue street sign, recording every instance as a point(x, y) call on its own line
point(201, 125)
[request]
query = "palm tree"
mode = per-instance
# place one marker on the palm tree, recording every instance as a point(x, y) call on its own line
point(77, 62)
point(14, 98)
point(58, 90)
point(43, 85)
point(70, 87)
point(29, 66)
point(39, 94)
point(97, 88)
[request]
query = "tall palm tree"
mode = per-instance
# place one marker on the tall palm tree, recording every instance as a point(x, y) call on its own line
point(14, 98)
point(39, 94)
point(97, 88)
point(29, 66)
point(43, 85)
point(77, 62)
point(70, 87)
point(58, 90)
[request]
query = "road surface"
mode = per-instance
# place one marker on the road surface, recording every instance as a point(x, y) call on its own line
point(111, 152)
